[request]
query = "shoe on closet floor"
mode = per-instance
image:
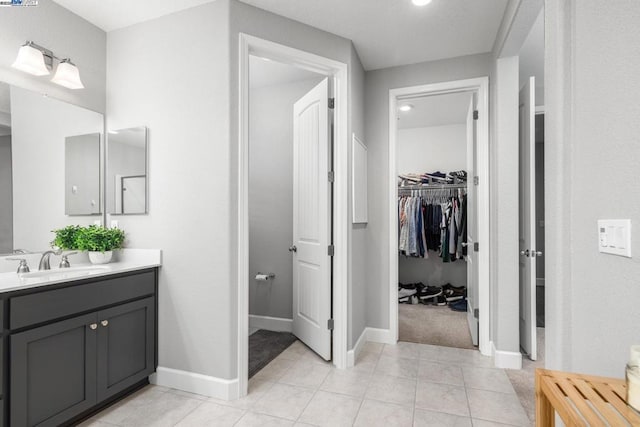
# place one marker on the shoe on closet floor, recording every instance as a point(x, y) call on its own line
point(455, 294)
point(429, 292)
point(459, 306)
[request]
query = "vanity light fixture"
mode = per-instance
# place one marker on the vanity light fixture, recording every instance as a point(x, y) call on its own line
point(406, 108)
point(421, 2)
point(38, 60)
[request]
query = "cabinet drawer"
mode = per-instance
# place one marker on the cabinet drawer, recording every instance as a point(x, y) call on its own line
point(49, 305)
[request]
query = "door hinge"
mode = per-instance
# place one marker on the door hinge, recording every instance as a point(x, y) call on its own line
point(330, 324)
point(331, 250)
point(331, 176)
point(476, 313)
point(475, 115)
point(332, 103)
point(476, 180)
point(476, 246)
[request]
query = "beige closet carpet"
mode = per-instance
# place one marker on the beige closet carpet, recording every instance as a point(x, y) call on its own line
point(435, 325)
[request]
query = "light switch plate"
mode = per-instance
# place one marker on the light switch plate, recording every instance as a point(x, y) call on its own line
point(614, 237)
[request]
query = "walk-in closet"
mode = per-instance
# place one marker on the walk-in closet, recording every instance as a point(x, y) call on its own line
point(434, 149)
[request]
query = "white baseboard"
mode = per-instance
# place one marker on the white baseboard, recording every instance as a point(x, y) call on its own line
point(196, 383)
point(383, 336)
point(277, 324)
point(506, 359)
point(352, 354)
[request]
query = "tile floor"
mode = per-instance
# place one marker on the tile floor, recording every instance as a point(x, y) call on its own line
point(404, 385)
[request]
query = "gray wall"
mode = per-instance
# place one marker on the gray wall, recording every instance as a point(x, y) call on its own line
point(172, 75)
point(6, 197)
point(68, 36)
point(271, 195)
point(431, 271)
point(377, 86)
point(591, 96)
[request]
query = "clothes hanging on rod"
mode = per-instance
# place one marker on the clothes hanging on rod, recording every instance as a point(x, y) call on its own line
point(432, 218)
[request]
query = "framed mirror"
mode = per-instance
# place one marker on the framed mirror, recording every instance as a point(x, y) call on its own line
point(127, 171)
point(82, 183)
point(34, 134)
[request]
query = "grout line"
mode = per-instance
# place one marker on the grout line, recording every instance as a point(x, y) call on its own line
point(191, 411)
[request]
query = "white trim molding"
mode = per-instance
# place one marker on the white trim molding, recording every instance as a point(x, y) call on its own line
point(195, 383)
point(382, 336)
point(338, 73)
point(479, 86)
point(506, 359)
point(277, 324)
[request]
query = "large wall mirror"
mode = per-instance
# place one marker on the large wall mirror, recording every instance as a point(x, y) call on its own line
point(127, 171)
point(50, 171)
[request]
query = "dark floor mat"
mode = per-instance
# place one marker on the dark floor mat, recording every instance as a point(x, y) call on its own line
point(264, 346)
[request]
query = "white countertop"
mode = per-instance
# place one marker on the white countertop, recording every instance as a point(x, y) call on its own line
point(126, 260)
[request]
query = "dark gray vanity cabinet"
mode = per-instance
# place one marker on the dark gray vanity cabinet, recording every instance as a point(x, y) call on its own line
point(90, 342)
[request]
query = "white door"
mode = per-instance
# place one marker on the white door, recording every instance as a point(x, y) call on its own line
point(133, 194)
point(528, 252)
point(472, 225)
point(311, 220)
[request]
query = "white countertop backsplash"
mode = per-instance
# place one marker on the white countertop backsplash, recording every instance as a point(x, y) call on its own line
point(124, 260)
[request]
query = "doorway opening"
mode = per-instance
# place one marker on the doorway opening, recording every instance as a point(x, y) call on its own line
point(276, 91)
point(438, 162)
point(292, 204)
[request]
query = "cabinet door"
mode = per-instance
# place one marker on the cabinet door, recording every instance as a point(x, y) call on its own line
point(126, 345)
point(53, 372)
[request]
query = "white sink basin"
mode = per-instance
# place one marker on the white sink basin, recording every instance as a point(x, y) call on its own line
point(65, 273)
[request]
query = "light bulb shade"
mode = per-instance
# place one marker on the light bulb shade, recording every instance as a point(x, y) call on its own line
point(67, 75)
point(30, 60)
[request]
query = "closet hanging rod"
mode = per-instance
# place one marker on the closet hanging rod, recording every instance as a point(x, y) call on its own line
point(432, 187)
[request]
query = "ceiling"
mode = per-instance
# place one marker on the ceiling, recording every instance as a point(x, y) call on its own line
point(435, 110)
point(385, 33)
point(113, 14)
point(268, 73)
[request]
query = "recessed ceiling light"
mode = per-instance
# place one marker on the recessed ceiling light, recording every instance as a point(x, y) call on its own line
point(421, 2)
point(406, 107)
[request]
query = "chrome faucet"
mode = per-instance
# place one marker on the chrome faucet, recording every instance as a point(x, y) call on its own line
point(44, 261)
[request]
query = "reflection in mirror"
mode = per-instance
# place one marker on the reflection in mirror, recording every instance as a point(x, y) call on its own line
point(33, 132)
point(82, 177)
point(127, 171)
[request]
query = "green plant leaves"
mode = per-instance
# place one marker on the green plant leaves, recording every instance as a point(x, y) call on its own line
point(92, 238)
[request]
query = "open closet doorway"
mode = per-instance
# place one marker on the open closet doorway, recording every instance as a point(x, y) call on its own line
point(439, 218)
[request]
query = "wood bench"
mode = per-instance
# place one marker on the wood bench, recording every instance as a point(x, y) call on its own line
point(582, 400)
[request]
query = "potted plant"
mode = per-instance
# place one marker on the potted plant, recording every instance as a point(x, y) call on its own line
point(66, 238)
point(99, 242)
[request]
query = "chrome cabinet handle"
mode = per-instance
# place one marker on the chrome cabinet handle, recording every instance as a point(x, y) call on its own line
point(293, 248)
point(93, 326)
point(524, 253)
point(104, 322)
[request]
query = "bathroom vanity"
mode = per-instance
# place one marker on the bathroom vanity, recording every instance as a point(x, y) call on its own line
point(73, 343)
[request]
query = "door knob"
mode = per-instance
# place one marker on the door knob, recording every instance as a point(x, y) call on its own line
point(524, 253)
point(293, 248)
point(104, 322)
point(464, 244)
point(93, 326)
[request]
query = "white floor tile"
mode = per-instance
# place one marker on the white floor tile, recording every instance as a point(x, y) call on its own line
point(405, 350)
point(274, 370)
point(442, 398)
point(392, 390)
point(487, 379)
point(211, 414)
point(379, 414)
point(306, 374)
point(397, 367)
point(257, 388)
point(252, 419)
point(347, 382)
point(423, 418)
point(284, 401)
point(440, 373)
point(499, 407)
point(330, 409)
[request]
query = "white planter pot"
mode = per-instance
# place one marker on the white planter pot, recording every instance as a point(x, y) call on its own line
point(100, 257)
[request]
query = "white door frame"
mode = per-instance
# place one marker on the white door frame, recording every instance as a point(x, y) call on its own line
point(338, 71)
point(481, 87)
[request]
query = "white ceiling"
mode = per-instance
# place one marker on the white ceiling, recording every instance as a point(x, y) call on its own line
point(268, 73)
point(385, 32)
point(395, 32)
point(113, 14)
point(436, 110)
